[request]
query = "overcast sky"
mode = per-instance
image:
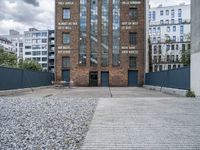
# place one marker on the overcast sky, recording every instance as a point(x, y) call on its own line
point(23, 14)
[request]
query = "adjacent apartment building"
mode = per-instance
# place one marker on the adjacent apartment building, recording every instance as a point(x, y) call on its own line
point(169, 32)
point(100, 43)
point(16, 42)
point(39, 46)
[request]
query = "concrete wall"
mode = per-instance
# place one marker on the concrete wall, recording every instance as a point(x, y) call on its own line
point(195, 38)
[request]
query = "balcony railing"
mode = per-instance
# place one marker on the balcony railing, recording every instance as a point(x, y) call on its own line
point(158, 23)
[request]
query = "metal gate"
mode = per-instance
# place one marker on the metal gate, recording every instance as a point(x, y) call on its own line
point(105, 79)
point(132, 78)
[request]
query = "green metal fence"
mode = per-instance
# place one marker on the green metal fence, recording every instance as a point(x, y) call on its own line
point(175, 78)
point(11, 78)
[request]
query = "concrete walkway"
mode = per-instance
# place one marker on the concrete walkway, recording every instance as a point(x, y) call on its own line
point(145, 123)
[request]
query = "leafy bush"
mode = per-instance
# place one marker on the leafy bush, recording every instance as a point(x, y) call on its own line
point(29, 65)
point(190, 94)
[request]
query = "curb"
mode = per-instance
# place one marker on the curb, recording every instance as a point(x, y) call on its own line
point(172, 91)
point(15, 91)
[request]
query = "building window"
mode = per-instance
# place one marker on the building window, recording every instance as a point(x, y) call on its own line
point(174, 28)
point(168, 29)
point(132, 62)
point(181, 38)
point(160, 68)
point(167, 12)
point(66, 13)
point(180, 21)
point(169, 67)
point(133, 13)
point(116, 33)
point(161, 13)
point(160, 49)
point(180, 13)
point(181, 29)
point(65, 62)
point(172, 21)
point(172, 47)
point(155, 49)
point(132, 38)
point(161, 22)
point(94, 33)
point(83, 24)
point(153, 15)
point(105, 34)
point(177, 46)
point(66, 38)
point(174, 38)
point(172, 13)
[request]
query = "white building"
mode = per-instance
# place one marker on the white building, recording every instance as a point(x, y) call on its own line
point(169, 31)
point(6, 45)
point(16, 40)
point(39, 46)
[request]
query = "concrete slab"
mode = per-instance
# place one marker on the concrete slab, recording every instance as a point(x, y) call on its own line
point(97, 92)
point(145, 123)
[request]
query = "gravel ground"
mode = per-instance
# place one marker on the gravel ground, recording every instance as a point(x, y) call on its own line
point(44, 122)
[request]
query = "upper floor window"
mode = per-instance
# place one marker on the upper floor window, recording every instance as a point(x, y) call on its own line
point(66, 38)
point(167, 12)
point(132, 62)
point(172, 13)
point(161, 22)
point(174, 28)
point(181, 29)
point(133, 13)
point(153, 15)
point(132, 38)
point(65, 62)
point(66, 13)
point(180, 21)
point(168, 29)
point(180, 13)
point(161, 13)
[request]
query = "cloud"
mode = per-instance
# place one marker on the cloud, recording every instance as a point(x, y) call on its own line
point(155, 3)
point(32, 2)
point(23, 14)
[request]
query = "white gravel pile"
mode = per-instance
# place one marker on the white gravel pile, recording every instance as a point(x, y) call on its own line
point(44, 123)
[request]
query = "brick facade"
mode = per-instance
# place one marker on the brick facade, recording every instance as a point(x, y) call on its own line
point(118, 76)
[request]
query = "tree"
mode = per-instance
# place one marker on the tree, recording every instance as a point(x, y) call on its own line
point(29, 65)
point(185, 53)
point(150, 56)
point(8, 59)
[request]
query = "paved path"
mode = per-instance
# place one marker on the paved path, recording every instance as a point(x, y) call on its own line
point(145, 123)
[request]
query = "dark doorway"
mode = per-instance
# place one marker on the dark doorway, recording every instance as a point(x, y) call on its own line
point(66, 75)
point(132, 78)
point(105, 79)
point(93, 78)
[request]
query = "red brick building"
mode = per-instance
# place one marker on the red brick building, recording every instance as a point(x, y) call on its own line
point(100, 42)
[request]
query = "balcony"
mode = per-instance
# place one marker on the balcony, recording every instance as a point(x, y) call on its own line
point(176, 22)
point(51, 64)
point(52, 35)
point(52, 42)
point(52, 57)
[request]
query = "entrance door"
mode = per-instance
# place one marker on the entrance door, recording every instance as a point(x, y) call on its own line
point(132, 78)
point(66, 75)
point(93, 78)
point(105, 79)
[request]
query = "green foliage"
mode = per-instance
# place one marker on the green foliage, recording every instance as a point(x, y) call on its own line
point(185, 57)
point(150, 56)
point(29, 65)
point(8, 59)
point(190, 94)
